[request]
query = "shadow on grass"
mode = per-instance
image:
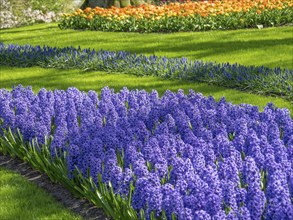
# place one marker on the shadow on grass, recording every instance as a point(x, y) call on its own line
point(250, 50)
point(93, 80)
point(248, 47)
point(24, 29)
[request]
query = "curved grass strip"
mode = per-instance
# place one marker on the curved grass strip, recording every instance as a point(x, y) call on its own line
point(179, 156)
point(261, 80)
point(192, 16)
point(51, 79)
point(270, 47)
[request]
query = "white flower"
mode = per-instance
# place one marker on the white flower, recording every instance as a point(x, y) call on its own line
point(30, 16)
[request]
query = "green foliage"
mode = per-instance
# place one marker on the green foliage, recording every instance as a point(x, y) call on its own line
point(56, 6)
point(17, 6)
point(40, 158)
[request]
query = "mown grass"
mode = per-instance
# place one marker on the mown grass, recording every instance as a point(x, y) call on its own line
point(271, 47)
point(23, 200)
point(62, 79)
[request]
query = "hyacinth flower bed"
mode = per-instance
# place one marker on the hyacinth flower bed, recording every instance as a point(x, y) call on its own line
point(189, 16)
point(141, 156)
point(261, 80)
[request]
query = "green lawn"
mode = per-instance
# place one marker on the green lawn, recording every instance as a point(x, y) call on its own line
point(23, 200)
point(270, 47)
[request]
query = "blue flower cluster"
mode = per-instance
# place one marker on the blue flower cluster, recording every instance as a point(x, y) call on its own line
point(186, 155)
point(262, 80)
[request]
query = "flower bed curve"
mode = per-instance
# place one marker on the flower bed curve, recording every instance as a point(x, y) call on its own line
point(258, 79)
point(190, 16)
point(181, 156)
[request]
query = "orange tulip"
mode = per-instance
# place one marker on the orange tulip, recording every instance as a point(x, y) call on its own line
point(203, 8)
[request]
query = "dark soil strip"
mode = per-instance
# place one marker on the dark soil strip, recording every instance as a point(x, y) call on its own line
point(79, 206)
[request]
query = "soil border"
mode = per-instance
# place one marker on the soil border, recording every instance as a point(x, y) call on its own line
point(81, 207)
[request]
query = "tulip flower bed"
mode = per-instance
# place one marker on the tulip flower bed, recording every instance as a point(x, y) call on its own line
point(175, 157)
point(260, 80)
point(190, 16)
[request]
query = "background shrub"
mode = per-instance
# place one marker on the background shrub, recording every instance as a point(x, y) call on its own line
point(24, 12)
point(56, 6)
point(7, 17)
